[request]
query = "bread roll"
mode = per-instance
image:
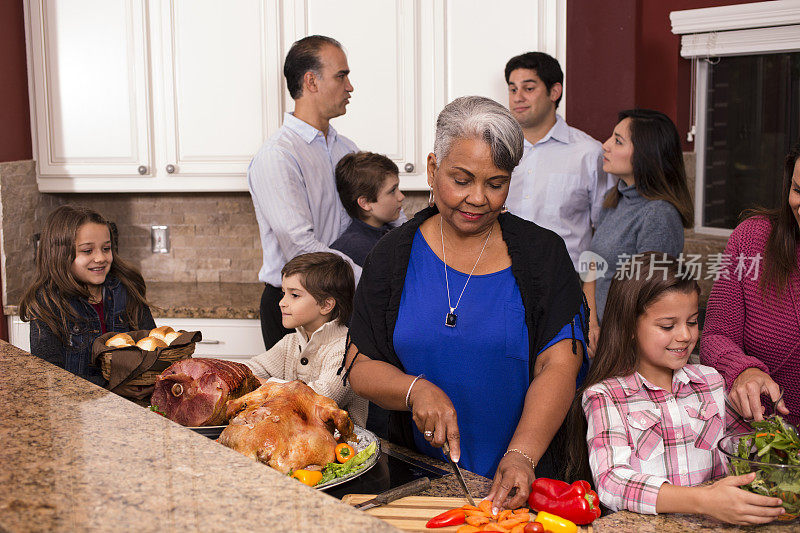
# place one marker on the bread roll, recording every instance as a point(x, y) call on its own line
point(171, 336)
point(151, 343)
point(160, 332)
point(120, 339)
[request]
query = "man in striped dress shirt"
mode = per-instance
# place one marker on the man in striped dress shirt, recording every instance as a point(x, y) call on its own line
point(291, 178)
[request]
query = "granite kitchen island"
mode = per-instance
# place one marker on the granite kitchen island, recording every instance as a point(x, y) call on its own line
point(76, 457)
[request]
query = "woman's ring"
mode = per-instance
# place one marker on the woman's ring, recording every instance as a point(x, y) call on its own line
point(428, 434)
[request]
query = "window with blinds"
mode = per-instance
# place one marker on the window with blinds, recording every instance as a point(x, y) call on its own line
point(746, 112)
point(752, 118)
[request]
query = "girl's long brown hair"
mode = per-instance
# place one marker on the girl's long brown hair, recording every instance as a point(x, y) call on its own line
point(780, 256)
point(658, 169)
point(632, 291)
point(47, 298)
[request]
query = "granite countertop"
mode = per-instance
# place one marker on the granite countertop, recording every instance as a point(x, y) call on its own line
point(627, 522)
point(621, 522)
point(205, 300)
point(447, 485)
point(192, 300)
point(77, 457)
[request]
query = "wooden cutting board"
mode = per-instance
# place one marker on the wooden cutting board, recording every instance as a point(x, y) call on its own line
point(413, 512)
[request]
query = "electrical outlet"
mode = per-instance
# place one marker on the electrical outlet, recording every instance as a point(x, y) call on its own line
point(159, 239)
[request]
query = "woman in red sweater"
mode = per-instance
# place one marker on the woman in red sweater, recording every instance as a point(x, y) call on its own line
point(752, 329)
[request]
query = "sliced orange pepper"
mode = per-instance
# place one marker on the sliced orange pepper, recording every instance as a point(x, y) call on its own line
point(468, 529)
point(478, 520)
point(486, 506)
point(504, 514)
point(469, 507)
point(521, 510)
point(513, 521)
point(344, 452)
point(470, 512)
point(493, 526)
point(519, 528)
point(308, 477)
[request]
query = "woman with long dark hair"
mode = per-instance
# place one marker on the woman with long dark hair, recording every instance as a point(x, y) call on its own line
point(648, 208)
point(752, 329)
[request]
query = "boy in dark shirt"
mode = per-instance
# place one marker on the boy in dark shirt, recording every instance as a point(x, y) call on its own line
point(368, 186)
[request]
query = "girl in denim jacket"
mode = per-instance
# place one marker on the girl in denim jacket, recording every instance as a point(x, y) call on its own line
point(81, 290)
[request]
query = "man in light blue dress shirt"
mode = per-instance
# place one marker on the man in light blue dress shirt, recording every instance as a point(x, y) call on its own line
point(291, 178)
point(559, 184)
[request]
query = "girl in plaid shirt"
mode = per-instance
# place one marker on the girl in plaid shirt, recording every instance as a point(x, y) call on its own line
point(652, 421)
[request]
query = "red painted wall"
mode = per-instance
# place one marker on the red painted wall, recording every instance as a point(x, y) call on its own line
point(601, 63)
point(626, 56)
point(620, 54)
point(15, 125)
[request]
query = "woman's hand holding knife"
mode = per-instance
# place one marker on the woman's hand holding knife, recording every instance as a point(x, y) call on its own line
point(435, 416)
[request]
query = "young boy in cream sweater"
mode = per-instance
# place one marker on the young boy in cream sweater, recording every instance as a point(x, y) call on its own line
point(317, 301)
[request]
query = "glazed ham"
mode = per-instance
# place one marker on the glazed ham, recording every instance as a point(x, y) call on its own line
point(193, 392)
point(286, 425)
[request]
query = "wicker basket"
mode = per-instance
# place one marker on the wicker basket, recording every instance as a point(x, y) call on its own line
point(162, 358)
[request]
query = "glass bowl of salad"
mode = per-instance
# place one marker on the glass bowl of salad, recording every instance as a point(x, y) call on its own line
point(772, 451)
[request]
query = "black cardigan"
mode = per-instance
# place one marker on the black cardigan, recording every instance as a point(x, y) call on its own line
point(550, 289)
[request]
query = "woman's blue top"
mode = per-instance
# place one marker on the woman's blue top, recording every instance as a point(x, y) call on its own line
point(481, 363)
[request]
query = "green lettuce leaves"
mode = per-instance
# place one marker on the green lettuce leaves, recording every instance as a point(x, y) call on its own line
point(773, 442)
point(356, 463)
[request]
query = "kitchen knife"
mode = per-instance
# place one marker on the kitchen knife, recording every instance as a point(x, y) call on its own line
point(407, 489)
point(457, 472)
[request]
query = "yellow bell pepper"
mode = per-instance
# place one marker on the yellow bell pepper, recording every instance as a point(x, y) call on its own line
point(308, 477)
point(555, 523)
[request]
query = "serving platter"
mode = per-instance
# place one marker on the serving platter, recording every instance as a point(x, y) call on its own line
point(212, 432)
point(365, 438)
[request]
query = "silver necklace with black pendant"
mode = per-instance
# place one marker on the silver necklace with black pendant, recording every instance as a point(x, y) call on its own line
point(451, 317)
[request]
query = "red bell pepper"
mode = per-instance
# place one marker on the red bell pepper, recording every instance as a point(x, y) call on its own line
point(577, 502)
point(453, 517)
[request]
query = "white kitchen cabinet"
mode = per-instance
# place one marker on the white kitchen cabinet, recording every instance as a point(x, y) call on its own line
point(89, 74)
point(232, 339)
point(19, 333)
point(223, 338)
point(215, 85)
point(137, 96)
point(177, 95)
point(409, 58)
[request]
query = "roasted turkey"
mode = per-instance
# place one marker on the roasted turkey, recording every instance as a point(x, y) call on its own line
point(193, 392)
point(286, 425)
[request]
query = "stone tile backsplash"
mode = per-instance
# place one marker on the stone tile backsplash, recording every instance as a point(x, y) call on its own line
point(213, 236)
point(22, 213)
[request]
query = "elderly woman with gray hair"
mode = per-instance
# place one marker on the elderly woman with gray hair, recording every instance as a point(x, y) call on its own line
point(469, 321)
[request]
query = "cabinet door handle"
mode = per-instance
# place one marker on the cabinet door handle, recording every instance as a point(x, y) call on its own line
point(142, 170)
point(170, 169)
point(409, 167)
point(211, 341)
